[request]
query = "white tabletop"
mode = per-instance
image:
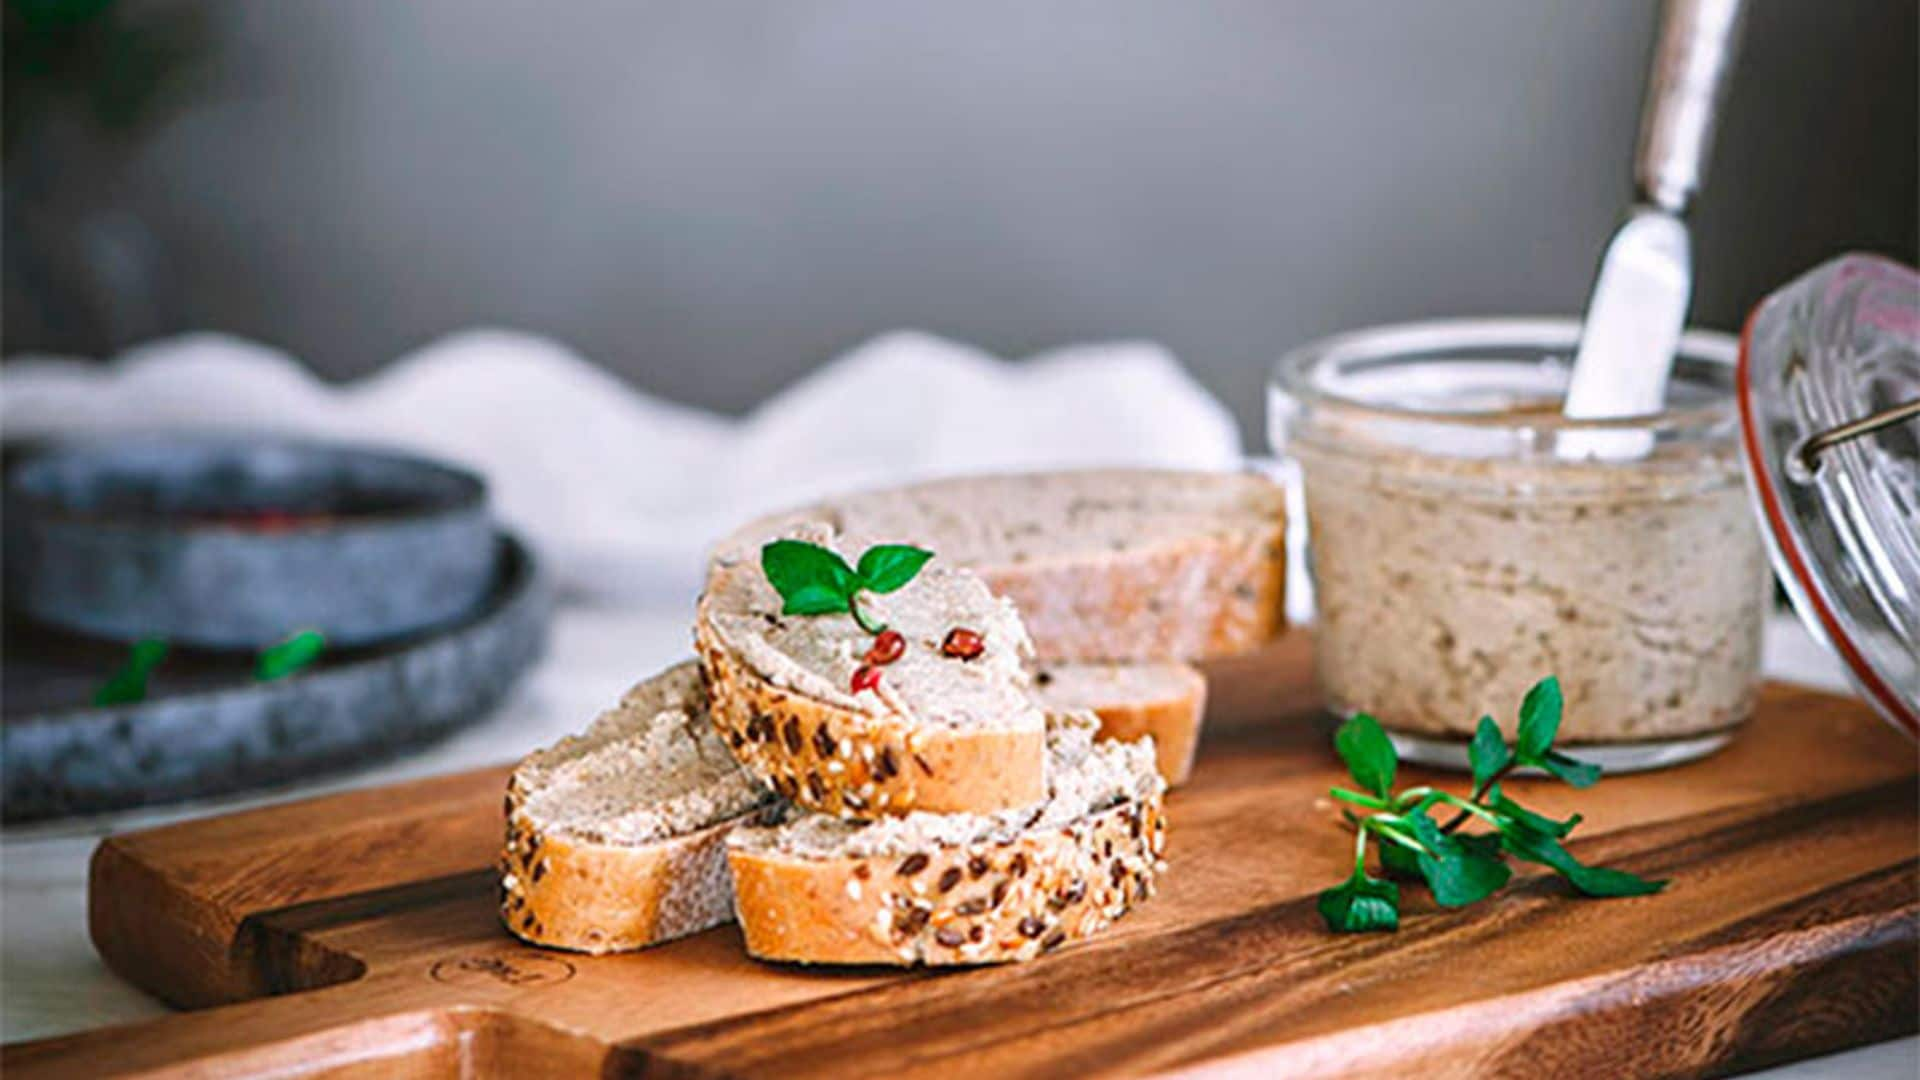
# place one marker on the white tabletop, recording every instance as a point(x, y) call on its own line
point(51, 982)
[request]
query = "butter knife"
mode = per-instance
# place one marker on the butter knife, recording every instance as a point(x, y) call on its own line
point(1640, 297)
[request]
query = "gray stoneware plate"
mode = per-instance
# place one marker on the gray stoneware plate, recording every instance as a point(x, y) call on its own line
point(208, 729)
point(233, 542)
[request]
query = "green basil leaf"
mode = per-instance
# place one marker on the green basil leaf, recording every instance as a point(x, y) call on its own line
point(808, 577)
point(1539, 721)
point(1499, 803)
point(888, 566)
point(1362, 904)
point(128, 684)
point(1526, 843)
point(1580, 774)
point(1487, 752)
point(1368, 753)
point(289, 656)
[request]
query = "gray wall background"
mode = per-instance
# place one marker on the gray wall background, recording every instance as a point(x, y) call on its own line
point(713, 197)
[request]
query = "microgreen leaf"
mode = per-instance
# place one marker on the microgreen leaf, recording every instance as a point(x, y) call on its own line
point(1429, 836)
point(811, 579)
point(1524, 842)
point(1499, 803)
point(1580, 774)
point(128, 684)
point(1487, 844)
point(1402, 862)
point(1459, 868)
point(1399, 851)
point(814, 598)
point(1362, 904)
point(1539, 721)
point(885, 567)
point(1368, 753)
point(296, 652)
point(1371, 802)
point(1459, 874)
point(1605, 881)
point(1396, 833)
point(1488, 753)
point(1463, 876)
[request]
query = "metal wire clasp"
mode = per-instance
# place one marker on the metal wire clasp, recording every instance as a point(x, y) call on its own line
point(1821, 441)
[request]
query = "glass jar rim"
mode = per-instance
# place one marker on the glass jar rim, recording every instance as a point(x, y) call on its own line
point(1439, 339)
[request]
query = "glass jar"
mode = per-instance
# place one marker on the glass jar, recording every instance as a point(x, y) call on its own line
point(1463, 545)
point(1829, 390)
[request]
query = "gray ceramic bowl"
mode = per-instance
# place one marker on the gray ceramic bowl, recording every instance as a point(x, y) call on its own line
point(209, 729)
point(234, 543)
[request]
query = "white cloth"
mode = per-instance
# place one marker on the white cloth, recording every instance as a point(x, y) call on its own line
point(622, 492)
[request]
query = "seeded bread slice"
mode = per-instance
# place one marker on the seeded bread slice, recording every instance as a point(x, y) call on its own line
point(1166, 701)
point(961, 888)
point(937, 733)
point(1103, 564)
point(616, 838)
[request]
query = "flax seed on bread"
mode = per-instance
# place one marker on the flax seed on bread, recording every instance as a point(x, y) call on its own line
point(616, 837)
point(937, 733)
point(1164, 700)
point(961, 888)
point(1103, 564)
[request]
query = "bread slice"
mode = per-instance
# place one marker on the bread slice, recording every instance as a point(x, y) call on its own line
point(937, 734)
point(1164, 700)
point(616, 838)
point(961, 888)
point(1103, 564)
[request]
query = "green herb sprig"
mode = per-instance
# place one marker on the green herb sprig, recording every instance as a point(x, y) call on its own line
point(128, 684)
point(296, 652)
point(813, 580)
point(1460, 868)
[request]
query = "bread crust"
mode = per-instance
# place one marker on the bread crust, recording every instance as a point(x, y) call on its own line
point(844, 762)
point(567, 888)
point(1206, 597)
point(983, 903)
point(1174, 721)
point(600, 898)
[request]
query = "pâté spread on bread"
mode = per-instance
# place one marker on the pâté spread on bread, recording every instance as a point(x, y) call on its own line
point(616, 838)
point(866, 765)
point(808, 705)
point(1104, 565)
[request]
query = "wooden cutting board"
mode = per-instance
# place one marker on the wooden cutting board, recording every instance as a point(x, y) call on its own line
point(355, 935)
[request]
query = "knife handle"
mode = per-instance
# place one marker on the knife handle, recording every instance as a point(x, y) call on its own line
point(1699, 40)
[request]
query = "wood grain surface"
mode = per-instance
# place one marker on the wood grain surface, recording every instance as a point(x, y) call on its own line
point(355, 935)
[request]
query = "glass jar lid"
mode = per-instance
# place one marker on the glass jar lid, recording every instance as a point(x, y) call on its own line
point(1829, 393)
